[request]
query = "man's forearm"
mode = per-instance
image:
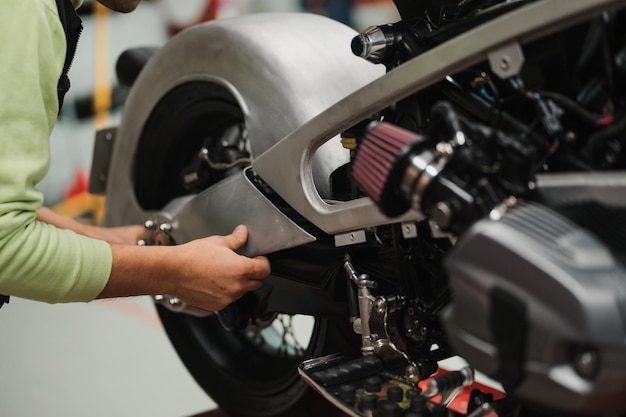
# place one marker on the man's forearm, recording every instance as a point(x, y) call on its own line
point(125, 234)
point(47, 215)
point(140, 270)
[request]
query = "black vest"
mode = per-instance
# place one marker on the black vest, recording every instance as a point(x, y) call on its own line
point(73, 27)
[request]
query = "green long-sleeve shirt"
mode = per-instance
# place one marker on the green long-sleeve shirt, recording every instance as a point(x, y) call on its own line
point(37, 261)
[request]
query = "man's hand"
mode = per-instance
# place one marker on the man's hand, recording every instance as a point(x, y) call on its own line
point(205, 273)
point(213, 275)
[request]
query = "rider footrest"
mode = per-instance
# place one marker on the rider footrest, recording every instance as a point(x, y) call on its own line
point(348, 371)
point(363, 387)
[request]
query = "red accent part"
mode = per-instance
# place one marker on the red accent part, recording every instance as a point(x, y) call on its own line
point(377, 156)
point(461, 401)
point(79, 185)
point(602, 121)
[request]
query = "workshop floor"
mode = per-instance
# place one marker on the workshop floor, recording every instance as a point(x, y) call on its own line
point(106, 358)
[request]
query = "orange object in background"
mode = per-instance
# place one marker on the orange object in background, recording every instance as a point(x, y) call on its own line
point(79, 204)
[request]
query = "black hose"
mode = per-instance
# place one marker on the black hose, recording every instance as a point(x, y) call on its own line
point(572, 106)
point(599, 139)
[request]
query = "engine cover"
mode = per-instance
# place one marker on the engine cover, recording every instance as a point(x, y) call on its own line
point(540, 305)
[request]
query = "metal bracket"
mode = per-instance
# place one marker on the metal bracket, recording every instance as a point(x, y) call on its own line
point(177, 305)
point(507, 62)
point(351, 238)
point(102, 152)
point(409, 230)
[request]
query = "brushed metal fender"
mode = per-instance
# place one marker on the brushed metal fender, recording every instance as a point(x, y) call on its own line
point(524, 25)
point(282, 68)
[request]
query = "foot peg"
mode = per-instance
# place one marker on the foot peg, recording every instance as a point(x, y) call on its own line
point(366, 387)
point(361, 387)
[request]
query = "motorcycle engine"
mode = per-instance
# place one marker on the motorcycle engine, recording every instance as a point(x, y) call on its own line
point(539, 285)
point(541, 304)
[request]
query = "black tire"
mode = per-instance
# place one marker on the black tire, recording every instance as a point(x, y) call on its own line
point(245, 377)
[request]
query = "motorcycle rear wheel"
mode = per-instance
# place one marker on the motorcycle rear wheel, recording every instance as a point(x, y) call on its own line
point(243, 377)
point(199, 85)
point(250, 372)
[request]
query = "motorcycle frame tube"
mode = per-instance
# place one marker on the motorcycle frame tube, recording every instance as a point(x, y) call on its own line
point(526, 24)
point(566, 188)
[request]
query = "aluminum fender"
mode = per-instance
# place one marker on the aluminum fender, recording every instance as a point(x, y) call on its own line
point(283, 69)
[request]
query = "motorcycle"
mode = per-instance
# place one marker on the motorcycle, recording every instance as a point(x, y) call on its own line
point(449, 185)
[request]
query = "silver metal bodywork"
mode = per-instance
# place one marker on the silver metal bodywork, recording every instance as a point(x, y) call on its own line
point(287, 72)
point(567, 188)
point(212, 211)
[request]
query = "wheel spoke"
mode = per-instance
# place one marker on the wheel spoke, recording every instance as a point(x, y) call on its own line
point(286, 336)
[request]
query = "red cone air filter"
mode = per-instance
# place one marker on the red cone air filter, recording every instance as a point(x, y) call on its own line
point(379, 164)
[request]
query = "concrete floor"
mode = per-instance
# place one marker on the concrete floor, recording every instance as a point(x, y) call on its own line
point(105, 358)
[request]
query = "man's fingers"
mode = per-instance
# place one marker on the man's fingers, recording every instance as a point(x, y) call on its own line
point(255, 284)
point(259, 268)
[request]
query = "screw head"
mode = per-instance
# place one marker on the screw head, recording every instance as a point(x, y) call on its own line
point(380, 304)
point(175, 302)
point(586, 362)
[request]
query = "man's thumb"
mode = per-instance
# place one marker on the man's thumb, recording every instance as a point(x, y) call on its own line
point(238, 237)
